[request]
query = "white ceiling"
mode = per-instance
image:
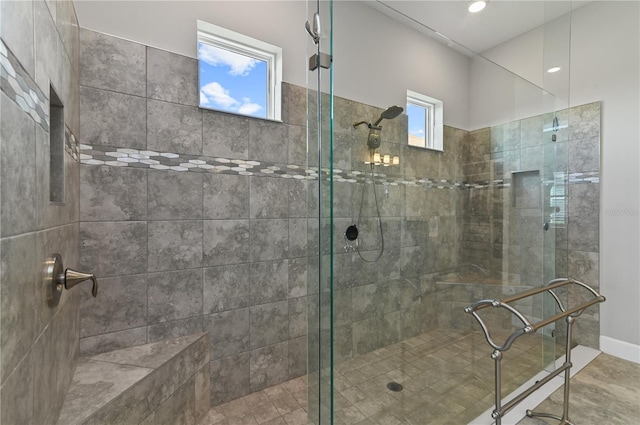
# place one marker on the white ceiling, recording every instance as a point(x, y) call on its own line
point(500, 21)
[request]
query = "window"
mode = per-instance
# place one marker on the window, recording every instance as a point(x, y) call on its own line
point(425, 121)
point(238, 74)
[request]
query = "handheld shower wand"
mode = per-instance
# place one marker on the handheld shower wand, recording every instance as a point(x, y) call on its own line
point(314, 29)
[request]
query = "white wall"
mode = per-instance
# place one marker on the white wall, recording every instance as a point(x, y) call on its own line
point(497, 96)
point(376, 58)
point(530, 54)
point(604, 66)
point(171, 25)
point(522, 55)
point(523, 89)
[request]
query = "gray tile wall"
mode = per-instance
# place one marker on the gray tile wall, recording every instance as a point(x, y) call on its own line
point(582, 239)
point(420, 202)
point(182, 252)
point(503, 167)
point(39, 345)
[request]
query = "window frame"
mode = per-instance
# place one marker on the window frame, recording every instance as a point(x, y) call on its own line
point(434, 111)
point(238, 43)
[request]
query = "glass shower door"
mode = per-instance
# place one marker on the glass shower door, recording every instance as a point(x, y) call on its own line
point(320, 212)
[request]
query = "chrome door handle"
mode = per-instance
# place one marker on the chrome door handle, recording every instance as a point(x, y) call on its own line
point(56, 278)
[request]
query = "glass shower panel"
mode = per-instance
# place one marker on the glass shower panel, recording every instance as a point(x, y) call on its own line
point(319, 183)
point(520, 157)
point(555, 71)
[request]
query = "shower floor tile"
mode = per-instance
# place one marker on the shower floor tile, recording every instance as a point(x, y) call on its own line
point(283, 404)
point(607, 391)
point(446, 378)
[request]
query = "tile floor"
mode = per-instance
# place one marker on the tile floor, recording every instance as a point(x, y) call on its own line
point(447, 377)
point(606, 392)
point(283, 404)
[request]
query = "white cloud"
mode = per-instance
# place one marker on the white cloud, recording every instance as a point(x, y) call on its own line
point(249, 108)
point(417, 132)
point(203, 99)
point(213, 94)
point(217, 94)
point(238, 64)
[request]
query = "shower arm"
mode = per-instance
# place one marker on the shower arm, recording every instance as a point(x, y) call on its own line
point(377, 122)
point(388, 114)
point(369, 125)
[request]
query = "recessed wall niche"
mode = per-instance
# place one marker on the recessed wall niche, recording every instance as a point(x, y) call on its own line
point(526, 193)
point(56, 147)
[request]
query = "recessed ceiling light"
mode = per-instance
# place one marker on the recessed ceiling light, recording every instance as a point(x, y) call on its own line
point(477, 6)
point(554, 69)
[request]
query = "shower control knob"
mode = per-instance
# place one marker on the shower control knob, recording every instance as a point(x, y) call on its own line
point(57, 278)
point(351, 233)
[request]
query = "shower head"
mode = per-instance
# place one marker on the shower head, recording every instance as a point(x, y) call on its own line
point(389, 114)
point(373, 141)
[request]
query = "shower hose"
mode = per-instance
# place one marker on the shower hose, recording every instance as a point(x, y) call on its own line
point(375, 197)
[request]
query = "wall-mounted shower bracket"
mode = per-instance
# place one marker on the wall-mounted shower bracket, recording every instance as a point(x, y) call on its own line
point(314, 30)
point(57, 278)
point(529, 327)
point(321, 60)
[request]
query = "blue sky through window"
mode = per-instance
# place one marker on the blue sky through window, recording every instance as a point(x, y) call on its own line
point(417, 123)
point(232, 82)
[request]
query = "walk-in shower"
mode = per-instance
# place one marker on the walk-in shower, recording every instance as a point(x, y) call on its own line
point(404, 244)
point(323, 266)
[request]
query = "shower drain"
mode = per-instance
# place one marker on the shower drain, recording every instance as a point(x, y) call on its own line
point(394, 386)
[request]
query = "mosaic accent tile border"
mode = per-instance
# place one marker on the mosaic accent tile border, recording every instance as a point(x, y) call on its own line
point(499, 183)
point(125, 157)
point(71, 144)
point(578, 178)
point(588, 177)
point(16, 83)
point(571, 178)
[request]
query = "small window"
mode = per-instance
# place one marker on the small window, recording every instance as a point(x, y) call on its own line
point(425, 121)
point(238, 74)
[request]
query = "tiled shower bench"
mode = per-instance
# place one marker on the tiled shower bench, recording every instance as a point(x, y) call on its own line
point(165, 382)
